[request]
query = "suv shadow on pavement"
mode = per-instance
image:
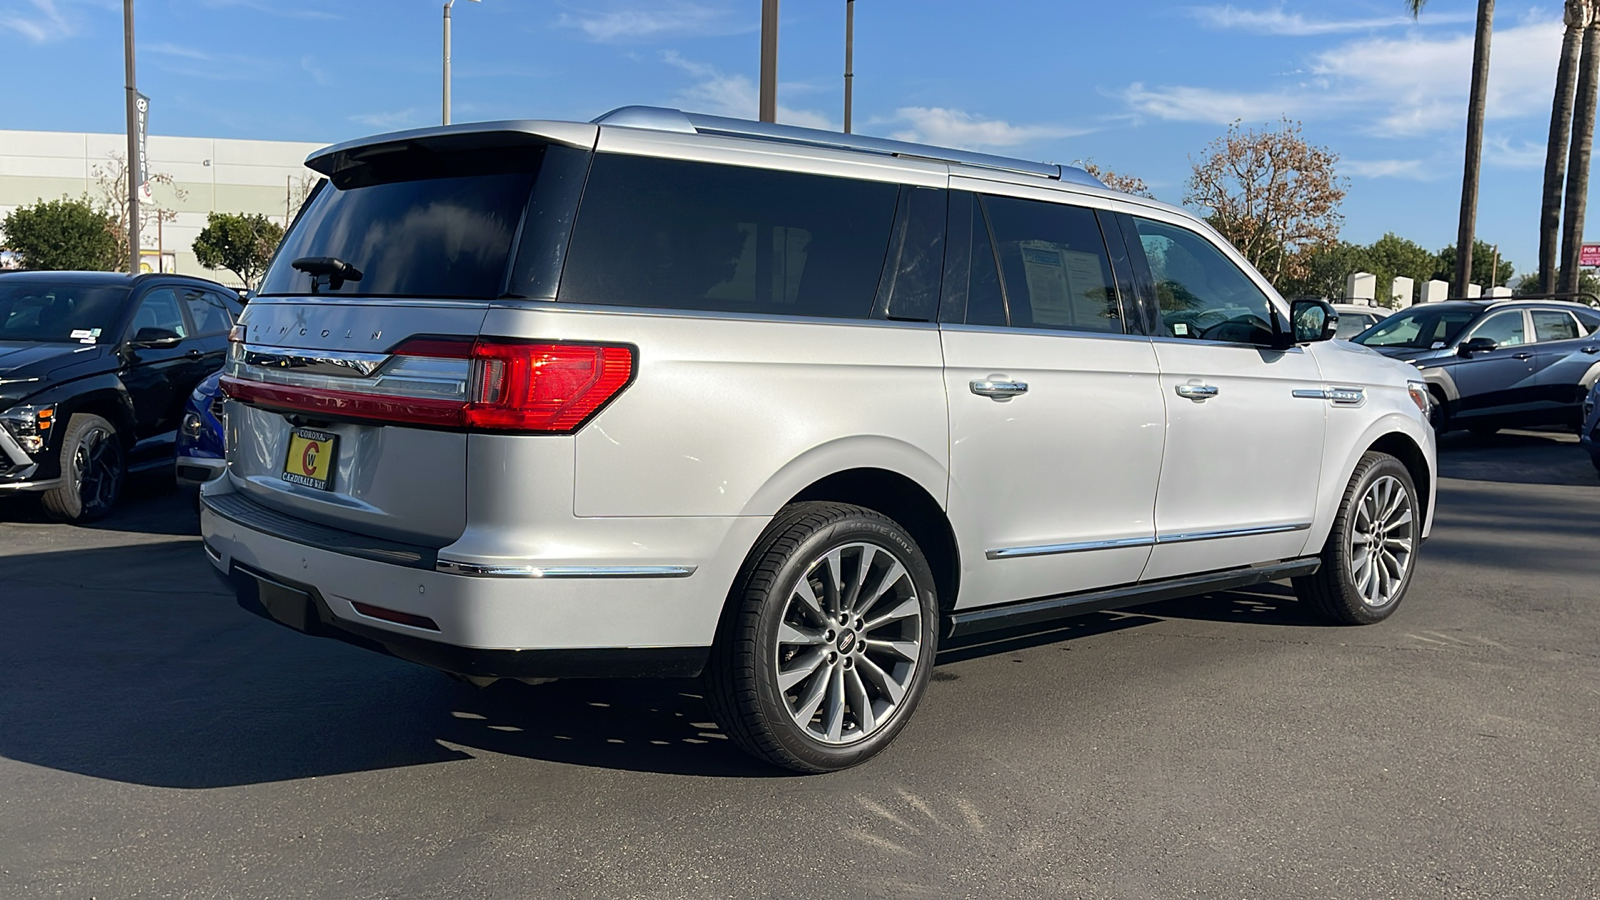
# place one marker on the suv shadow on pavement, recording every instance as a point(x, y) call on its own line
point(1516, 457)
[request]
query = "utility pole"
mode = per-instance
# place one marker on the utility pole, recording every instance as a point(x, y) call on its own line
point(769, 61)
point(849, 54)
point(132, 167)
point(447, 5)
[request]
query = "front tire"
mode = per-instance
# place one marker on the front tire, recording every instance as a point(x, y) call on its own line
point(1370, 555)
point(92, 471)
point(829, 639)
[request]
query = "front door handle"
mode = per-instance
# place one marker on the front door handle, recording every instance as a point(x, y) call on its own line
point(1199, 393)
point(999, 390)
point(1591, 349)
point(194, 354)
point(1522, 356)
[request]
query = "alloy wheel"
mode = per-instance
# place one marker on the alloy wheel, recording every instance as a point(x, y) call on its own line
point(1382, 540)
point(96, 462)
point(849, 643)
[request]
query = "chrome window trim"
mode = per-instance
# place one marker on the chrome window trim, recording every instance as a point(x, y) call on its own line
point(1013, 330)
point(558, 306)
point(495, 570)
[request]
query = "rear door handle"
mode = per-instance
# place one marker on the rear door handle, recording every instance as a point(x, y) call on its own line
point(194, 354)
point(1522, 356)
point(999, 390)
point(1591, 349)
point(1199, 393)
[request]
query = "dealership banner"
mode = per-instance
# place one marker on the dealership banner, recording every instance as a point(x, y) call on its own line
point(139, 167)
point(1589, 255)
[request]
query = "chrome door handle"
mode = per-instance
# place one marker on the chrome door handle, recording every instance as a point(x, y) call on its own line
point(1522, 356)
point(999, 390)
point(1199, 393)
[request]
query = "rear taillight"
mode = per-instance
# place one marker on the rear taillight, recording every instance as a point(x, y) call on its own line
point(488, 384)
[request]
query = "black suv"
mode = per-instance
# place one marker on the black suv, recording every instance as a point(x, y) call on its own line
point(94, 371)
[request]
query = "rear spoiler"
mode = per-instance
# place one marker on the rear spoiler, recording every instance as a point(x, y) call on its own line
point(331, 161)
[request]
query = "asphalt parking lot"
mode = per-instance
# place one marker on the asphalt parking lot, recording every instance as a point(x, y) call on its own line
point(156, 741)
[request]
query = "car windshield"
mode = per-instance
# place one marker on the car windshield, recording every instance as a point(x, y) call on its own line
point(1352, 324)
point(58, 313)
point(1419, 329)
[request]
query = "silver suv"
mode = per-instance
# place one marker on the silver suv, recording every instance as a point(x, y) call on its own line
point(669, 395)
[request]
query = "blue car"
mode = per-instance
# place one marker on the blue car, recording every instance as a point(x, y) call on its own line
point(1493, 364)
point(202, 439)
point(1589, 436)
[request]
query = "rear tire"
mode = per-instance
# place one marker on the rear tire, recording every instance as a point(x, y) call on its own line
point(828, 641)
point(1370, 555)
point(92, 471)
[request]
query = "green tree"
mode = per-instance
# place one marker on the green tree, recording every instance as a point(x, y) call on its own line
point(61, 234)
point(1388, 257)
point(241, 243)
point(1482, 259)
point(1530, 283)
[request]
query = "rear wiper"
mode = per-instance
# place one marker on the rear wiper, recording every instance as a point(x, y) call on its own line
point(335, 270)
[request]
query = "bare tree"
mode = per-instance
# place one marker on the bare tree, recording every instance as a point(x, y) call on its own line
point(298, 192)
point(1127, 184)
point(1579, 14)
point(1275, 196)
point(111, 186)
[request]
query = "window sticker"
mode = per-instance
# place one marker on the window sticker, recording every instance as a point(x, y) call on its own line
point(85, 335)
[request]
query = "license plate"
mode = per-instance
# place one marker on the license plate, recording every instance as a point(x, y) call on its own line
point(310, 459)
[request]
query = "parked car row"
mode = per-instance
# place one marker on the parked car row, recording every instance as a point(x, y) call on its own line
point(1589, 433)
point(1493, 364)
point(95, 372)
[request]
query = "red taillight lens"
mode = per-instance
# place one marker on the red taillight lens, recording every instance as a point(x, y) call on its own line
point(544, 387)
point(500, 384)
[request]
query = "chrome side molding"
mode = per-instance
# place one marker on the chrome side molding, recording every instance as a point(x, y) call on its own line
point(1178, 538)
point(483, 570)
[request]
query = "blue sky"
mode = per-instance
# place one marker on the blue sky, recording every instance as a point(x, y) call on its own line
point(1138, 87)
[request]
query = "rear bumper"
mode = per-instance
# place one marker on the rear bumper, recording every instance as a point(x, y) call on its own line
point(193, 471)
point(601, 621)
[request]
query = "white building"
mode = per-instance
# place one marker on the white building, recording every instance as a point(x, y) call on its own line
point(214, 175)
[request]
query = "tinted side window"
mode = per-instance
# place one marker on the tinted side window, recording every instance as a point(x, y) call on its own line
point(1590, 321)
point(684, 235)
point(1053, 266)
point(159, 309)
point(209, 314)
point(1201, 293)
point(1554, 326)
point(1504, 328)
point(911, 279)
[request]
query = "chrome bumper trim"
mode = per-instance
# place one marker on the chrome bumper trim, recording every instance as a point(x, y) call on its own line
point(29, 485)
point(451, 567)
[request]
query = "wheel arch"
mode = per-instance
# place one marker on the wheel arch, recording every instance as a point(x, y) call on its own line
point(909, 504)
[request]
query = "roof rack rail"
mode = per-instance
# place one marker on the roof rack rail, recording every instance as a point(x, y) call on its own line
point(663, 119)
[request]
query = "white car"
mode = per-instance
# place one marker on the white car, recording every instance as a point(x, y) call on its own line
point(670, 394)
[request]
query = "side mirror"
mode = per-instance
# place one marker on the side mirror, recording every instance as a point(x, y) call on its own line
point(152, 338)
point(1312, 320)
point(1477, 345)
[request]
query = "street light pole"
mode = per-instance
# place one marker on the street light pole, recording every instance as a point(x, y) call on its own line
point(849, 53)
point(447, 5)
point(769, 61)
point(132, 168)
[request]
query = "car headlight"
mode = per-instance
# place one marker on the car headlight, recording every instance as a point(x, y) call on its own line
point(30, 425)
point(1420, 395)
point(192, 425)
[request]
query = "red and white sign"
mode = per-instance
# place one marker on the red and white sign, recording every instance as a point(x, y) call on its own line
point(1589, 255)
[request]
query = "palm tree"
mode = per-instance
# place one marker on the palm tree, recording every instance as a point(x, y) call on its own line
point(1578, 160)
point(1475, 109)
point(1578, 17)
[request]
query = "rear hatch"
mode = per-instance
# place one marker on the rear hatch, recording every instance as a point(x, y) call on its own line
point(352, 372)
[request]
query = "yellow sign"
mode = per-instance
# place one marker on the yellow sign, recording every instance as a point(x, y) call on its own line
point(310, 458)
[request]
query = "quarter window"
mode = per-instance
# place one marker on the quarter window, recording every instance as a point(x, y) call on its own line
point(1053, 266)
point(1505, 329)
point(684, 235)
point(1549, 325)
point(1201, 293)
point(208, 312)
point(1588, 321)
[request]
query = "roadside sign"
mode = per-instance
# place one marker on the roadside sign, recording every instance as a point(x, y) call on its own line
point(1589, 255)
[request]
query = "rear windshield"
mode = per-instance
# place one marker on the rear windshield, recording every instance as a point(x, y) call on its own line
point(415, 224)
point(673, 234)
point(61, 313)
point(1419, 329)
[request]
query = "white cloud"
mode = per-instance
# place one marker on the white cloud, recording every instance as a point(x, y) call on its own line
point(1411, 169)
point(38, 20)
point(280, 9)
point(959, 128)
point(722, 94)
point(1277, 21)
point(389, 121)
point(670, 20)
point(176, 50)
point(1500, 151)
point(1394, 87)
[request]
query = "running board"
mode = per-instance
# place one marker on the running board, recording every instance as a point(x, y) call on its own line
point(1062, 606)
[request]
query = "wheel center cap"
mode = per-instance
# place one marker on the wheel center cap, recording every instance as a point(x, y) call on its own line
point(847, 641)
